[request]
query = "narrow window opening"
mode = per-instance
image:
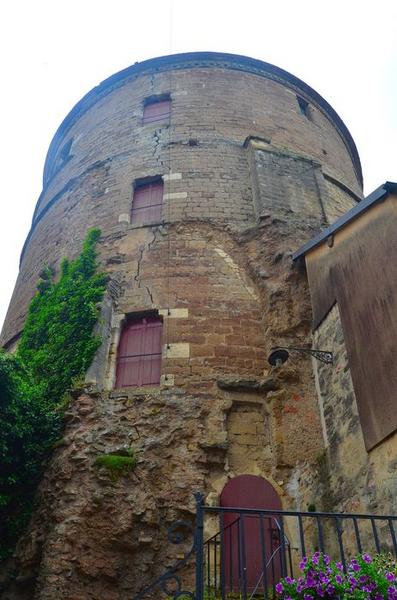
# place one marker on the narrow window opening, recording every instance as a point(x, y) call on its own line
point(147, 201)
point(139, 352)
point(157, 109)
point(304, 107)
point(63, 156)
point(66, 152)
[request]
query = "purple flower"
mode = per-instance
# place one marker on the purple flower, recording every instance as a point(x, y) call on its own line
point(353, 582)
point(310, 580)
point(367, 558)
point(322, 579)
point(303, 563)
point(391, 592)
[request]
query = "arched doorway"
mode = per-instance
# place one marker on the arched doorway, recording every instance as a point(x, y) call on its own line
point(252, 556)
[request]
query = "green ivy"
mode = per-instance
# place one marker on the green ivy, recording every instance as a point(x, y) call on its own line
point(57, 346)
point(57, 341)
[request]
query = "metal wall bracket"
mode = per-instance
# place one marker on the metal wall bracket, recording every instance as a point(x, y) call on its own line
point(280, 354)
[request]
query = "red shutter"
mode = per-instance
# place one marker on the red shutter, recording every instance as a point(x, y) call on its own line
point(157, 111)
point(139, 353)
point(147, 203)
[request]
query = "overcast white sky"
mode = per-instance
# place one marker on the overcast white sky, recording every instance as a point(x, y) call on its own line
point(54, 52)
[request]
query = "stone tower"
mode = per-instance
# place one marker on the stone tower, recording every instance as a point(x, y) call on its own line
point(204, 172)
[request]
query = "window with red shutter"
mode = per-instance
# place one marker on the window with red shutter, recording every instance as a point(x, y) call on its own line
point(147, 203)
point(157, 110)
point(139, 353)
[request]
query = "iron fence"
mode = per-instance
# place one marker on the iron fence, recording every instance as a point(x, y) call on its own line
point(242, 553)
point(253, 549)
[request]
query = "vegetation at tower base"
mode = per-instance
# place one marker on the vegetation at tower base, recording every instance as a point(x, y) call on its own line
point(57, 346)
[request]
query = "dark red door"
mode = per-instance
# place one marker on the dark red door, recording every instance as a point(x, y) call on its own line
point(251, 555)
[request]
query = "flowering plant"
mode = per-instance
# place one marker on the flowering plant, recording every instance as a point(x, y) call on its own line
point(364, 578)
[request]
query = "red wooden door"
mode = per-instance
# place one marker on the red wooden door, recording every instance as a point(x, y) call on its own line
point(250, 557)
point(139, 353)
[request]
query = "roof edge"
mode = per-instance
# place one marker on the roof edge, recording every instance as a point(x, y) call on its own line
point(196, 60)
point(381, 193)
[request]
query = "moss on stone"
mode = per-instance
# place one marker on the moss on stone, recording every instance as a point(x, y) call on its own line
point(116, 464)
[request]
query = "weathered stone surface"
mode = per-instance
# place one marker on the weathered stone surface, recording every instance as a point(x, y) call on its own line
point(247, 385)
point(360, 481)
point(95, 537)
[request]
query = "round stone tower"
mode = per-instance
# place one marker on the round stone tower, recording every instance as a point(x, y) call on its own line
point(204, 172)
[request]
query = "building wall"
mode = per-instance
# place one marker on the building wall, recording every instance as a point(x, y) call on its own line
point(358, 481)
point(357, 270)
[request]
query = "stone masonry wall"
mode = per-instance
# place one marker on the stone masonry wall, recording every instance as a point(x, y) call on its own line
point(200, 153)
point(360, 481)
point(342, 201)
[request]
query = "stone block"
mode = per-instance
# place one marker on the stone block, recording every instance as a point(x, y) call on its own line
point(176, 350)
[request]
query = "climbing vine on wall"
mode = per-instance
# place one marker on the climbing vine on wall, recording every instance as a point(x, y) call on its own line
point(57, 346)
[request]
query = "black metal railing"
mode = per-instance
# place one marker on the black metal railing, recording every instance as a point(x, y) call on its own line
point(227, 555)
point(253, 549)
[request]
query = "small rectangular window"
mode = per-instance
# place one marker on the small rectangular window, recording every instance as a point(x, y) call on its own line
point(304, 107)
point(147, 202)
point(139, 353)
point(157, 109)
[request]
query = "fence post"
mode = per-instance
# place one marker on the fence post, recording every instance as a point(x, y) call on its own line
point(199, 543)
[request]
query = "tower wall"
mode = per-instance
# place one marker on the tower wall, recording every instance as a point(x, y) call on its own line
point(247, 179)
point(214, 110)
